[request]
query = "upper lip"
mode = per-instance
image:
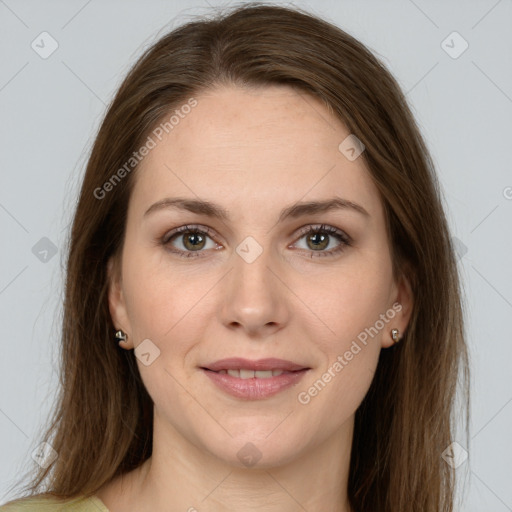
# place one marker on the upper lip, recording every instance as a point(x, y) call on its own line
point(236, 363)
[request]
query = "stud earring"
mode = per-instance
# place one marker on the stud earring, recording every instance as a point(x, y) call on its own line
point(395, 334)
point(120, 336)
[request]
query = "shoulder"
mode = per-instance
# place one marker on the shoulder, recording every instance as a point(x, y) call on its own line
point(47, 503)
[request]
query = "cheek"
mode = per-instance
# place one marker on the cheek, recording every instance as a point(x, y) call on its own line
point(149, 303)
point(360, 316)
point(357, 316)
point(165, 303)
point(333, 396)
point(350, 302)
point(152, 296)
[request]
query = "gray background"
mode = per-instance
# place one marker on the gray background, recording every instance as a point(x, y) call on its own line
point(51, 109)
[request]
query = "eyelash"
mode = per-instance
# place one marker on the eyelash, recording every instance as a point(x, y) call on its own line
point(344, 239)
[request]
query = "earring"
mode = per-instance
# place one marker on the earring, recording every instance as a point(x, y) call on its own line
point(395, 334)
point(120, 336)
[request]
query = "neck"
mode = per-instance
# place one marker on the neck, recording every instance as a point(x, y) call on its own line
point(179, 476)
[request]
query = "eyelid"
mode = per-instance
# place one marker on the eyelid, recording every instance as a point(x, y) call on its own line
point(311, 228)
point(189, 227)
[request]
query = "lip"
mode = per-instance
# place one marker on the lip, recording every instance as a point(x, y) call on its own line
point(272, 363)
point(254, 388)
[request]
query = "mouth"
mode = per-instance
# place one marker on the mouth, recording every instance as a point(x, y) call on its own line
point(250, 374)
point(260, 365)
point(254, 380)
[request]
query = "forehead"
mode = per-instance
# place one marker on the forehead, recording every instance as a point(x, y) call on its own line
point(270, 143)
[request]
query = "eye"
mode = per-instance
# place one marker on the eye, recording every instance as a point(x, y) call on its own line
point(193, 240)
point(319, 237)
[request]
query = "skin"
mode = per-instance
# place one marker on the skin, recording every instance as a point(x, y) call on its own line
point(254, 152)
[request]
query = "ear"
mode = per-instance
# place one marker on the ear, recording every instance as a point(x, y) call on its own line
point(116, 302)
point(402, 300)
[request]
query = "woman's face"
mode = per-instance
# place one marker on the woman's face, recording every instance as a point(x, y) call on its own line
point(254, 284)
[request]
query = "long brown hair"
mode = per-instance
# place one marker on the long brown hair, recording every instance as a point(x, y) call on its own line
point(102, 424)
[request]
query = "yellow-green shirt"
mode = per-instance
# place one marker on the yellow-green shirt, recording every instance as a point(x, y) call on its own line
point(49, 504)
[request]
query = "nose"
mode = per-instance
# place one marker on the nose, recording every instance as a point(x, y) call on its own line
point(254, 297)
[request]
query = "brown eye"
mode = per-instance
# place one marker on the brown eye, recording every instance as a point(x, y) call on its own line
point(193, 241)
point(320, 237)
point(187, 240)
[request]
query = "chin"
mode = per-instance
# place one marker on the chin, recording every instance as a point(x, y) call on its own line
point(258, 451)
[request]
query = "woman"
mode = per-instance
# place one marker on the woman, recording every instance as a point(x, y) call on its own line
point(261, 233)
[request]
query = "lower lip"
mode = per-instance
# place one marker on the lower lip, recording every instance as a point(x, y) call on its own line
point(254, 389)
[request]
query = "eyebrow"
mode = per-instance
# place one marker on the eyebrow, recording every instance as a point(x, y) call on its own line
point(210, 209)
